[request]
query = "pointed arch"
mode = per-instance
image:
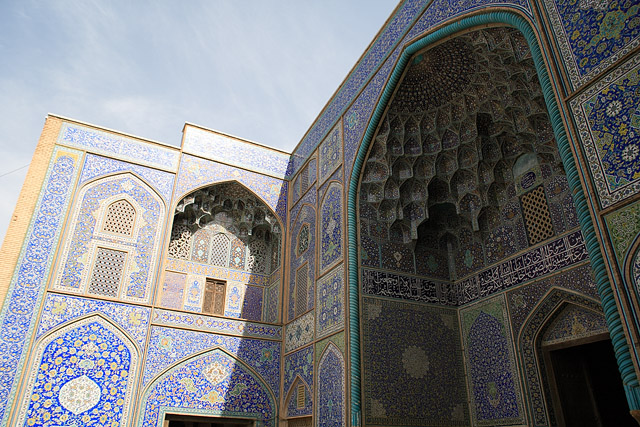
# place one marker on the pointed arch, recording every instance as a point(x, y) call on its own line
point(90, 355)
point(605, 290)
point(331, 393)
point(529, 352)
point(298, 401)
point(112, 265)
point(214, 381)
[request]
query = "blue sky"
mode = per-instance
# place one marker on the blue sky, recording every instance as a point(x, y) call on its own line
point(258, 69)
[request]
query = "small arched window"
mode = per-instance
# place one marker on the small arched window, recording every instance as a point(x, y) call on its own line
point(120, 218)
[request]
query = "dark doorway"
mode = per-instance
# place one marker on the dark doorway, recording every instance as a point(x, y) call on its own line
point(587, 386)
point(172, 420)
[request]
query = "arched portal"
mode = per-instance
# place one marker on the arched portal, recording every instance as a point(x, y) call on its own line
point(459, 172)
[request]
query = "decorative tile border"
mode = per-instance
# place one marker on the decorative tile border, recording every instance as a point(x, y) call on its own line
point(97, 166)
point(27, 285)
point(124, 148)
point(541, 261)
point(608, 122)
point(215, 324)
point(624, 227)
point(233, 151)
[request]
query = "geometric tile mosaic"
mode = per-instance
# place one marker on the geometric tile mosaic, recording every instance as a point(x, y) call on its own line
point(592, 35)
point(125, 148)
point(624, 227)
point(33, 266)
point(168, 345)
point(330, 302)
point(492, 370)
point(607, 117)
point(413, 373)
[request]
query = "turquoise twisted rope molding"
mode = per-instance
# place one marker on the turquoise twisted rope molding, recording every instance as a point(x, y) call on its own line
point(614, 322)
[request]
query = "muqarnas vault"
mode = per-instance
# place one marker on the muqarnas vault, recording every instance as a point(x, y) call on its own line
point(454, 242)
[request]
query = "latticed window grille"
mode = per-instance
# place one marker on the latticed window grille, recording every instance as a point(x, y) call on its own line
point(220, 250)
point(536, 215)
point(304, 179)
point(300, 422)
point(107, 272)
point(120, 218)
point(214, 297)
point(302, 279)
point(257, 257)
point(179, 244)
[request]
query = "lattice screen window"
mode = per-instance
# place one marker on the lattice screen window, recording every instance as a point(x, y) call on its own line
point(107, 272)
point(120, 218)
point(300, 396)
point(304, 180)
point(179, 244)
point(214, 297)
point(257, 257)
point(536, 215)
point(300, 422)
point(302, 279)
point(220, 250)
point(303, 239)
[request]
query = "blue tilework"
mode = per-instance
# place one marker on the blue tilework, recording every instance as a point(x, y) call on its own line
point(608, 121)
point(310, 198)
point(59, 309)
point(143, 249)
point(299, 363)
point(331, 227)
point(593, 34)
point(573, 323)
point(84, 376)
point(412, 365)
point(330, 302)
point(299, 332)
point(215, 324)
point(252, 303)
point(128, 149)
point(190, 267)
point(306, 215)
point(33, 266)
point(331, 389)
point(168, 346)
point(292, 405)
point(272, 298)
point(236, 152)
point(330, 152)
point(381, 46)
point(493, 378)
point(215, 383)
point(196, 172)
point(97, 166)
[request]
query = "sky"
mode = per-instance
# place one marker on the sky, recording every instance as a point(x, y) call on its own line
point(257, 69)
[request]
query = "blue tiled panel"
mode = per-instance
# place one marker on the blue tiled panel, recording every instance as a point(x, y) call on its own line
point(129, 149)
point(298, 364)
point(33, 266)
point(215, 146)
point(608, 121)
point(331, 389)
point(168, 346)
point(212, 384)
point(593, 34)
point(97, 166)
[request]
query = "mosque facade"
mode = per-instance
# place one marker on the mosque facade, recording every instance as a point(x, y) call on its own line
point(454, 242)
